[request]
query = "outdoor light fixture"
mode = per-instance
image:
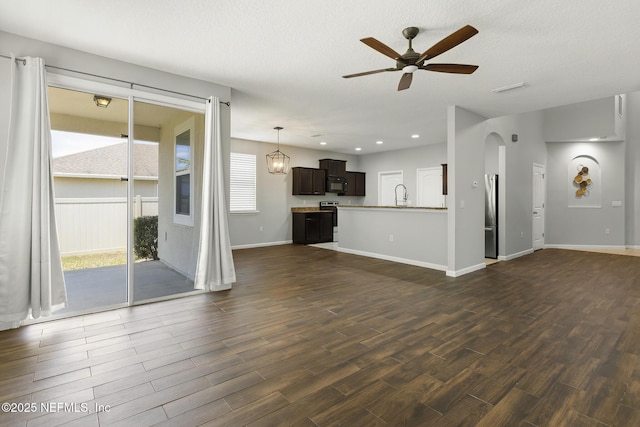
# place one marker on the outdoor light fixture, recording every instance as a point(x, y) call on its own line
point(101, 101)
point(278, 162)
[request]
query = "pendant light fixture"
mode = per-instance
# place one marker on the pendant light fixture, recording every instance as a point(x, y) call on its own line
point(278, 162)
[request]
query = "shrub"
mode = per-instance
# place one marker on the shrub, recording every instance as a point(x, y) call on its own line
point(145, 237)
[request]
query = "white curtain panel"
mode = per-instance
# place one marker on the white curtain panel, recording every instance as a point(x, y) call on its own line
point(31, 278)
point(215, 270)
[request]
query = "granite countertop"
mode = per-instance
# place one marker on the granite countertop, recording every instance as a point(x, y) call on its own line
point(310, 209)
point(394, 207)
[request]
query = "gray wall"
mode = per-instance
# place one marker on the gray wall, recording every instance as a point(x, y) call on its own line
point(407, 160)
point(465, 155)
point(587, 119)
point(274, 199)
point(516, 184)
point(632, 171)
point(585, 226)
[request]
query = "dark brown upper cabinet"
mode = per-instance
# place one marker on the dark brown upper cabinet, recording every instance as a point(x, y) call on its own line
point(308, 181)
point(355, 184)
point(334, 167)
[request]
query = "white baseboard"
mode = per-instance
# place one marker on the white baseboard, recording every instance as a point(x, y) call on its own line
point(467, 270)
point(394, 259)
point(632, 247)
point(588, 247)
point(261, 245)
point(516, 255)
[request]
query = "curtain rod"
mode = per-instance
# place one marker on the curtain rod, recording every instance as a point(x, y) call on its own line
point(227, 103)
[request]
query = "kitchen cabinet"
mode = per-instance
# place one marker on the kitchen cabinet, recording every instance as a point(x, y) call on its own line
point(355, 184)
point(334, 167)
point(312, 227)
point(308, 181)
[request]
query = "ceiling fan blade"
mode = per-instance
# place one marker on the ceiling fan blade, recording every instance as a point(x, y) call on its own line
point(449, 42)
point(405, 81)
point(366, 73)
point(451, 68)
point(381, 47)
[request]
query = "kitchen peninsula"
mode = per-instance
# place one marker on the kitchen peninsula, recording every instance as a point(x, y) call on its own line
point(407, 234)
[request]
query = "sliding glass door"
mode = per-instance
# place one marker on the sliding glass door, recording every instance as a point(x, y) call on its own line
point(167, 159)
point(90, 158)
point(127, 182)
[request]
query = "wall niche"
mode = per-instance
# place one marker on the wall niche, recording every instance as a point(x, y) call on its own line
point(584, 183)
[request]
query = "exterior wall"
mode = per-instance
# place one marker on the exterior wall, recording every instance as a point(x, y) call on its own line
point(96, 187)
point(178, 244)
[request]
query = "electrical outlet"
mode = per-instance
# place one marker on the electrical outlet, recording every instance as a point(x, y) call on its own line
point(522, 234)
point(261, 228)
point(461, 204)
point(391, 237)
point(607, 231)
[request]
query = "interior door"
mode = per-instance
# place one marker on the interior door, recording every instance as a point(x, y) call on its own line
point(387, 182)
point(538, 206)
point(430, 187)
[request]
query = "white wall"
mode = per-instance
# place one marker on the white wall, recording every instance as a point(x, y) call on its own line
point(274, 198)
point(407, 160)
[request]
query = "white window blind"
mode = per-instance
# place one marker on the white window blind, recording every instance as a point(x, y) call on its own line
point(243, 182)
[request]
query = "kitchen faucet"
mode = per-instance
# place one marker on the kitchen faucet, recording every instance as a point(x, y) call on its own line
point(404, 196)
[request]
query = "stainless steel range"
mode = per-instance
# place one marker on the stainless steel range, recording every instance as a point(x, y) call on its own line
point(332, 206)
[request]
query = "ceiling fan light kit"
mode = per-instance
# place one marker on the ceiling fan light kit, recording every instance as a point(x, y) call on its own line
point(411, 61)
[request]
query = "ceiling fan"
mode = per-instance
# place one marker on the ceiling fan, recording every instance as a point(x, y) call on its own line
point(412, 61)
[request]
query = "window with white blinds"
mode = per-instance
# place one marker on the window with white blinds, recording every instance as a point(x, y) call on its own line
point(243, 183)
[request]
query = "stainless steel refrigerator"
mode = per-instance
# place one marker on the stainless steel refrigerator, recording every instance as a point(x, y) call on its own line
point(491, 216)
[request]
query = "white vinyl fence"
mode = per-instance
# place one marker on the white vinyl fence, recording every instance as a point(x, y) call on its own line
point(97, 225)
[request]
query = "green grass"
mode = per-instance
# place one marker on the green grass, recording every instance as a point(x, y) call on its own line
point(79, 262)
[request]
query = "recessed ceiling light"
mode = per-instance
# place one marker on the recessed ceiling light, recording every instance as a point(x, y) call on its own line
point(323, 143)
point(379, 142)
point(358, 149)
point(593, 139)
point(415, 136)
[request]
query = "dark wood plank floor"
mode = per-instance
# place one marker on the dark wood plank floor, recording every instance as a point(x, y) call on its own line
point(315, 337)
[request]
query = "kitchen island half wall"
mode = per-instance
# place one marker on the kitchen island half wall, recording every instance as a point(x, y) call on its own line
point(410, 235)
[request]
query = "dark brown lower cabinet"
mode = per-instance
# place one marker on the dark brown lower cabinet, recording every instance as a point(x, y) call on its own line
point(312, 227)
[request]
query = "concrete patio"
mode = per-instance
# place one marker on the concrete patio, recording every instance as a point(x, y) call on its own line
point(106, 286)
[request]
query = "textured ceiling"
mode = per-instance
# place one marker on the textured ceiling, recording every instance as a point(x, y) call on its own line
point(284, 59)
